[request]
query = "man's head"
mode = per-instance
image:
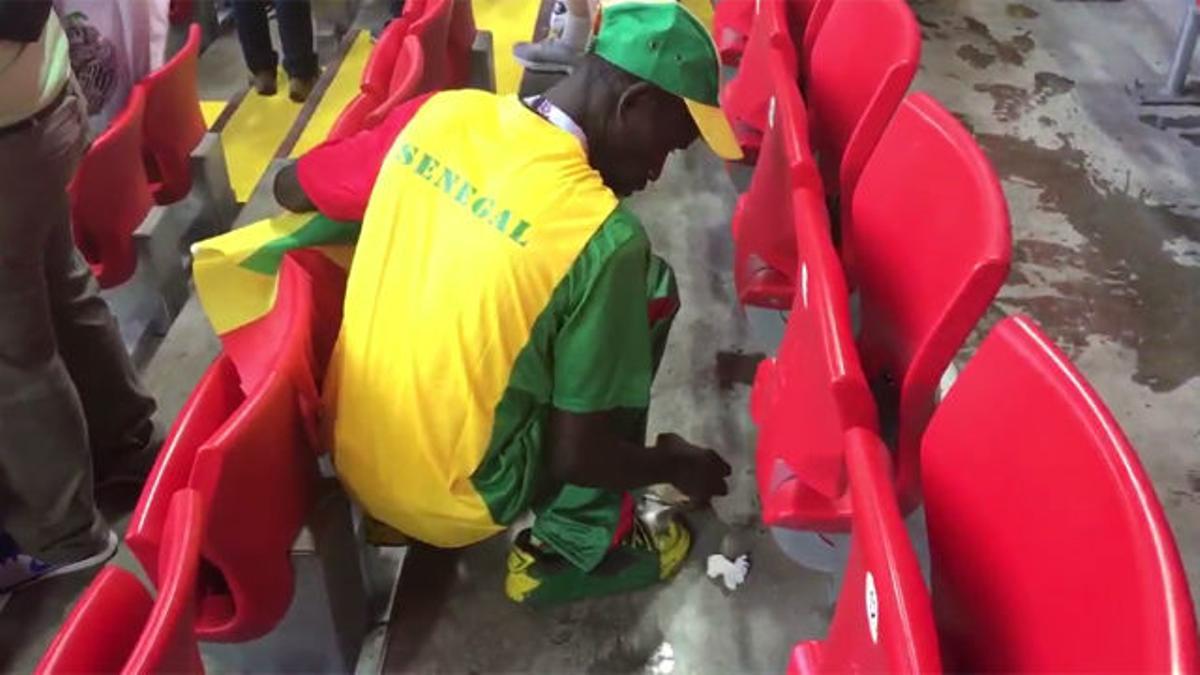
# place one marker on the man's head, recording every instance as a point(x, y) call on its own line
point(648, 87)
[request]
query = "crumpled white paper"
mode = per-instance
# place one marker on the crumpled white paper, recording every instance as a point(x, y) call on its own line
point(732, 572)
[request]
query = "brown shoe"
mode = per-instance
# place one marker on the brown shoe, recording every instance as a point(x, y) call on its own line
point(264, 82)
point(300, 87)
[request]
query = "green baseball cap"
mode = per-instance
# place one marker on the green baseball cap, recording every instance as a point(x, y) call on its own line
point(665, 43)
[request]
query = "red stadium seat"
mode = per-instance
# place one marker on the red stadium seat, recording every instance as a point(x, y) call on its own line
point(746, 98)
point(929, 247)
point(110, 195)
point(1050, 551)
point(210, 405)
point(806, 18)
point(115, 626)
point(460, 43)
point(884, 618)
point(257, 475)
point(251, 455)
point(377, 75)
point(104, 627)
point(173, 123)
point(807, 397)
point(406, 77)
point(852, 91)
point(732, 20)
point(432, 28)
point(767, 215)
point(353, 117)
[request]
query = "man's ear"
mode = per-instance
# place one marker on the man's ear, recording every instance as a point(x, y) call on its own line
point(635, 97)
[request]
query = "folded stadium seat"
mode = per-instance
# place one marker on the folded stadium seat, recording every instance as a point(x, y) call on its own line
point(732, 20)
point(406, 78)
point(353, 117)
point(377, 74)
point(460, 42)
point(745, 98)
point(812, 392)
point(765, 217)
point(805, 18)
point(1050, 550)
point(257, 475)
point(883, 622)
point(930, 245)
point(251, 456)
point(110, 195)
point(212, 402)
point(173, 124)
point(116, 627)
point(851, 92)
point(432, 28)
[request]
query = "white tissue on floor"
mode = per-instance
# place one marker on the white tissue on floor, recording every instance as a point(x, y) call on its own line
point(732, 572)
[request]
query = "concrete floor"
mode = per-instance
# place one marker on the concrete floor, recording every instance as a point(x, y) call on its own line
point(1107, 260)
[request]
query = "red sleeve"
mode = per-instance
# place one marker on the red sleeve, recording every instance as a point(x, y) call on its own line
point(338, 175)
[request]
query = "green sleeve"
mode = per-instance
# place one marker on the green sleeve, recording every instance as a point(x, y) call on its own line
point(602, 351)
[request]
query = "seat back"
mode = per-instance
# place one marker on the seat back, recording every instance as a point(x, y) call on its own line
point(102, 629)
point(406, 79)
point(731, 28)
point(884, 617)
point(353, 117)
point(110, 195)
point(459, 44)
point(1050, 550)
point(851, 90)
point(929, 247)
point(257, 477)
point(173, 123)
point(168, 642)
point(746, 98)
point(813, 391)
point(765, 218)
point(211, 404)
point(377, 74)
point(806, 18)
point(432, 28)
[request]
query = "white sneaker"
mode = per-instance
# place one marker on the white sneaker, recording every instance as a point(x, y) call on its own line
point(551, 55)
point(19, 570)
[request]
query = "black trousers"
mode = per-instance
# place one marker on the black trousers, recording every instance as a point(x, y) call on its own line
point(295, 32)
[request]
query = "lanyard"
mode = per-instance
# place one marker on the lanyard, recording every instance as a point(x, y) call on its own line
point(554, 115)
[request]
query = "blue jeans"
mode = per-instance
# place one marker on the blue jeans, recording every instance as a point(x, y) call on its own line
point(295, 32)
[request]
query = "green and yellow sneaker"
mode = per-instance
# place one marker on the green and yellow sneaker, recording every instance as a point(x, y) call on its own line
point(539, 577)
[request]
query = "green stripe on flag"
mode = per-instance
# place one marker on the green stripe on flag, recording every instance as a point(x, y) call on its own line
point(320, 231)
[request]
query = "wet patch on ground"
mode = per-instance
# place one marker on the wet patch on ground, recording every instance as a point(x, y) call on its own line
point(1124, 284)
point(1011, 51)
point(1010, 102)
point(1017, 10)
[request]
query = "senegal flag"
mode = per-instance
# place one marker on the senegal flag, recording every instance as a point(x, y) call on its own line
point(237, 278)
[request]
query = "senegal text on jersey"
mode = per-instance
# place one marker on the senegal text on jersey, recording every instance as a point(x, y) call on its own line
point(461, 191)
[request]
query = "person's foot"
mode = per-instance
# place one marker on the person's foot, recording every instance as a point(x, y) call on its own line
point(133, 466)
point(264, 82)
point(552, 55)
point(300, 87)
point(19, 570)
point(539, 577)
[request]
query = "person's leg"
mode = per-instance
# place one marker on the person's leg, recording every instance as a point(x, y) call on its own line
point(254, 35)
point(117, 409)
point(45, 462)
point(587, 542)
point(560, 50)
point(296, 34)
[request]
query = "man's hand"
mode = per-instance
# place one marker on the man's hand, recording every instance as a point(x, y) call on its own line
point(288, 191)
point(699, 473)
